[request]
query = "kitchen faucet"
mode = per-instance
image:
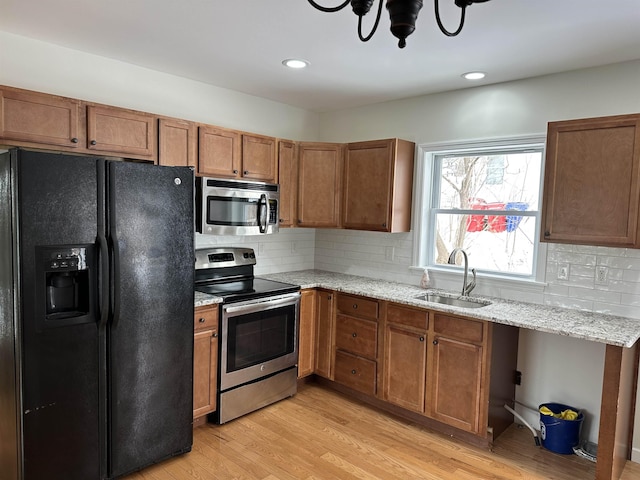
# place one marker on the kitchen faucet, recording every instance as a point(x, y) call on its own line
point(466, 289)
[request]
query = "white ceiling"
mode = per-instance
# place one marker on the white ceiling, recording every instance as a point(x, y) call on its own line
point(239, 44)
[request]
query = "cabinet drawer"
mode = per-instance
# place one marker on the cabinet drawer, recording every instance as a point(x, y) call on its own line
point(356, 372)
point(408, 316)
point(459, 328)
point(205, 318)
point(358, 307)
point(356, 336)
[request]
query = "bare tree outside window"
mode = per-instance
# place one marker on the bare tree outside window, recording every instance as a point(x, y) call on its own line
point(488, 205)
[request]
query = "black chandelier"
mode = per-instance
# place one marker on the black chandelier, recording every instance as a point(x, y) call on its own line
point(403, 13)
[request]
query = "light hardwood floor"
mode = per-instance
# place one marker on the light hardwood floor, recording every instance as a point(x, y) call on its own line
point(321, 434)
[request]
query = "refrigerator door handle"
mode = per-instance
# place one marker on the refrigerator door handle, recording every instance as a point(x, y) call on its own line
point(115, 297)
point(103, 269)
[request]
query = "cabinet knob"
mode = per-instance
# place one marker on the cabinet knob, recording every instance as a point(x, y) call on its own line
point(93, 142)
point(422, 339)
point(353, 372)
point(215, 334)
point(201, 320)
point(435, 342)
point(74, 140)
point(355, 306)
point(329, 297)
point(547, 234)
point(354, 334)
point(384, 225)
point(246, 172)
point(235, 172)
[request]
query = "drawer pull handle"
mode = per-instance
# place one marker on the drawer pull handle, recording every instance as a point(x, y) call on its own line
point(422, 339)
point(202, 320)
point(354, 334)
point(355, 306)
point(353, 372)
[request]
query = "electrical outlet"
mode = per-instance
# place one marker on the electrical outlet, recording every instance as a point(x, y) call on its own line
point(563, 272)
point(602, 273)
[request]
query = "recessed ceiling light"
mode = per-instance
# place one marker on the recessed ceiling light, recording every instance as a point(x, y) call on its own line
point(474, 75)
point(295, 63)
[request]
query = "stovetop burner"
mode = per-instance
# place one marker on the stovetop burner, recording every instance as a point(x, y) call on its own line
point(227, 272)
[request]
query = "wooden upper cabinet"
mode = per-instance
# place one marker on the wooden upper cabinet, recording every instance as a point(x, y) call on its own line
point(234, 154)
point(259, 160)
point(112, 130)
point(219, 152)
point(288, 180)
point(591, 188)
point(319, 181)
point(377, 186)
point(30, 117)
point(177, 143)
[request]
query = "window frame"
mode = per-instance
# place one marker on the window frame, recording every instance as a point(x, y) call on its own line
point(427, 186)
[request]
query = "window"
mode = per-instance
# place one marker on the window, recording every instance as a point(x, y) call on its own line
point(486, 200)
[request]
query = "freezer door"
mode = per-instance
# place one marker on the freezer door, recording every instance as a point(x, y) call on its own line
point(58, 208)
point(150, 340)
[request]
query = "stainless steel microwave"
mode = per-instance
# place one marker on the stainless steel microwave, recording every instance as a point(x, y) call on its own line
point(236, 207)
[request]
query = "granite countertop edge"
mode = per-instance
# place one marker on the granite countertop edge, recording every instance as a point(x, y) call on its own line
point(597, 327)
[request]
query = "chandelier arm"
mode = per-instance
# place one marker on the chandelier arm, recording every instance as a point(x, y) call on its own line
point(329, 9)
point(375, 25)
point(444, 30)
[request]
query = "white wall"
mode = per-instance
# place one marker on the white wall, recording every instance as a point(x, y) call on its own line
point(554, 368)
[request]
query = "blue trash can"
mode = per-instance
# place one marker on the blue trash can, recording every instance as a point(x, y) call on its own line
point(558, 435)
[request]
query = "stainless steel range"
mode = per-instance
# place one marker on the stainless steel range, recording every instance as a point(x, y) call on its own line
point(259, 331)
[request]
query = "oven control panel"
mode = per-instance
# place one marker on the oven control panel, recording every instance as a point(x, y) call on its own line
point(220, 257)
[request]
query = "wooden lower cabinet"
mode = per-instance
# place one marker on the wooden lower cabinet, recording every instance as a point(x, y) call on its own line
point(325, 336)
point(405, 367)
point(205, 360)
point(356, 372)
point(307, 333)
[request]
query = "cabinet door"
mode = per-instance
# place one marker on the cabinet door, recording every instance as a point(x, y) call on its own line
point(325, 343)
point(377, 187)
point(219, 152)
point(320, 171)
point(177, 141)
point(307, 333)
point(259, 161)
point(205, 372)
point(591, 189)
point(288, 179)
point(405, 367)
point(456, 383)
point(39, 118)
point(367, 185)
point(116, 131)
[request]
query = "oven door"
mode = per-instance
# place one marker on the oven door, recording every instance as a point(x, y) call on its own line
point(259, 338)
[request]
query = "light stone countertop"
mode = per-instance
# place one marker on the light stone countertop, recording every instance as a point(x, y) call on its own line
point(609, 329)
point(203, 299)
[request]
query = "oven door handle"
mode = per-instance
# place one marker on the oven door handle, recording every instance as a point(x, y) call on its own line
point(262, 305)
point(262, 213)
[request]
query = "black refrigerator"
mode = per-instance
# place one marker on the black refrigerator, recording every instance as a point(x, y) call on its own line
point(96, 315)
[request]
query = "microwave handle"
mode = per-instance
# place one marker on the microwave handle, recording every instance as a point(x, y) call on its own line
point(262, 213)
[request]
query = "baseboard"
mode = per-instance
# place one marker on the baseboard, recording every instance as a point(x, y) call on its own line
point(635, 455)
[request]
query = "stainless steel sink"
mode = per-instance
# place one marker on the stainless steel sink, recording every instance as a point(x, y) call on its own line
point(453, 301)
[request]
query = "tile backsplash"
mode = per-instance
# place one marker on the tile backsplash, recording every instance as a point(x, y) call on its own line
point(599, 279)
